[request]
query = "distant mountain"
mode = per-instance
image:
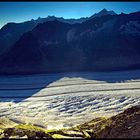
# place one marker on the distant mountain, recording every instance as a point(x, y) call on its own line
point(11, 32)
point(103, 13)
point(103, 43)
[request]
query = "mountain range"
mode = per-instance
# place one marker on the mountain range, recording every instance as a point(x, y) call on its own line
point(11, 32)
point(105, 41)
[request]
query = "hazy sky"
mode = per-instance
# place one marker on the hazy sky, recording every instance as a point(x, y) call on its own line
point(22, 11)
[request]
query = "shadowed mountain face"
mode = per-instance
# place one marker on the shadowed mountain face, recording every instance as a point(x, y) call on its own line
point(11, 32)
point(103, 43)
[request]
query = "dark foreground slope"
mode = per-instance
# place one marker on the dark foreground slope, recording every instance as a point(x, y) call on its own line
point(105, 43)
point(123, 125)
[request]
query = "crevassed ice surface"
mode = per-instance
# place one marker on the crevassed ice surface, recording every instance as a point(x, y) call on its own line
point(67, 99)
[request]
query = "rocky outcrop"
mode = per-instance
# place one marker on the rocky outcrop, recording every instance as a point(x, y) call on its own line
point(123, 125)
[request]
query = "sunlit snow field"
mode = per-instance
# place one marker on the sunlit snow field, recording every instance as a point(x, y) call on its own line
point(67, 99)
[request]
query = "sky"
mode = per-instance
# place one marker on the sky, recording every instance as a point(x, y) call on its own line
point(23, 11)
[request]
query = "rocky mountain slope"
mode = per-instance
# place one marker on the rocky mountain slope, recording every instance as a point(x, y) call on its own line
point(123, 125)
point(11, 32)
point(103, 43)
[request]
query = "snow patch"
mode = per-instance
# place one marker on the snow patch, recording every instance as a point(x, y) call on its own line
point(131, 27)
point(108, 25)
point(71, 35)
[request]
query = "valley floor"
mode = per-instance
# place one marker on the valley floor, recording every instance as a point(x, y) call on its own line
point(63, 100)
